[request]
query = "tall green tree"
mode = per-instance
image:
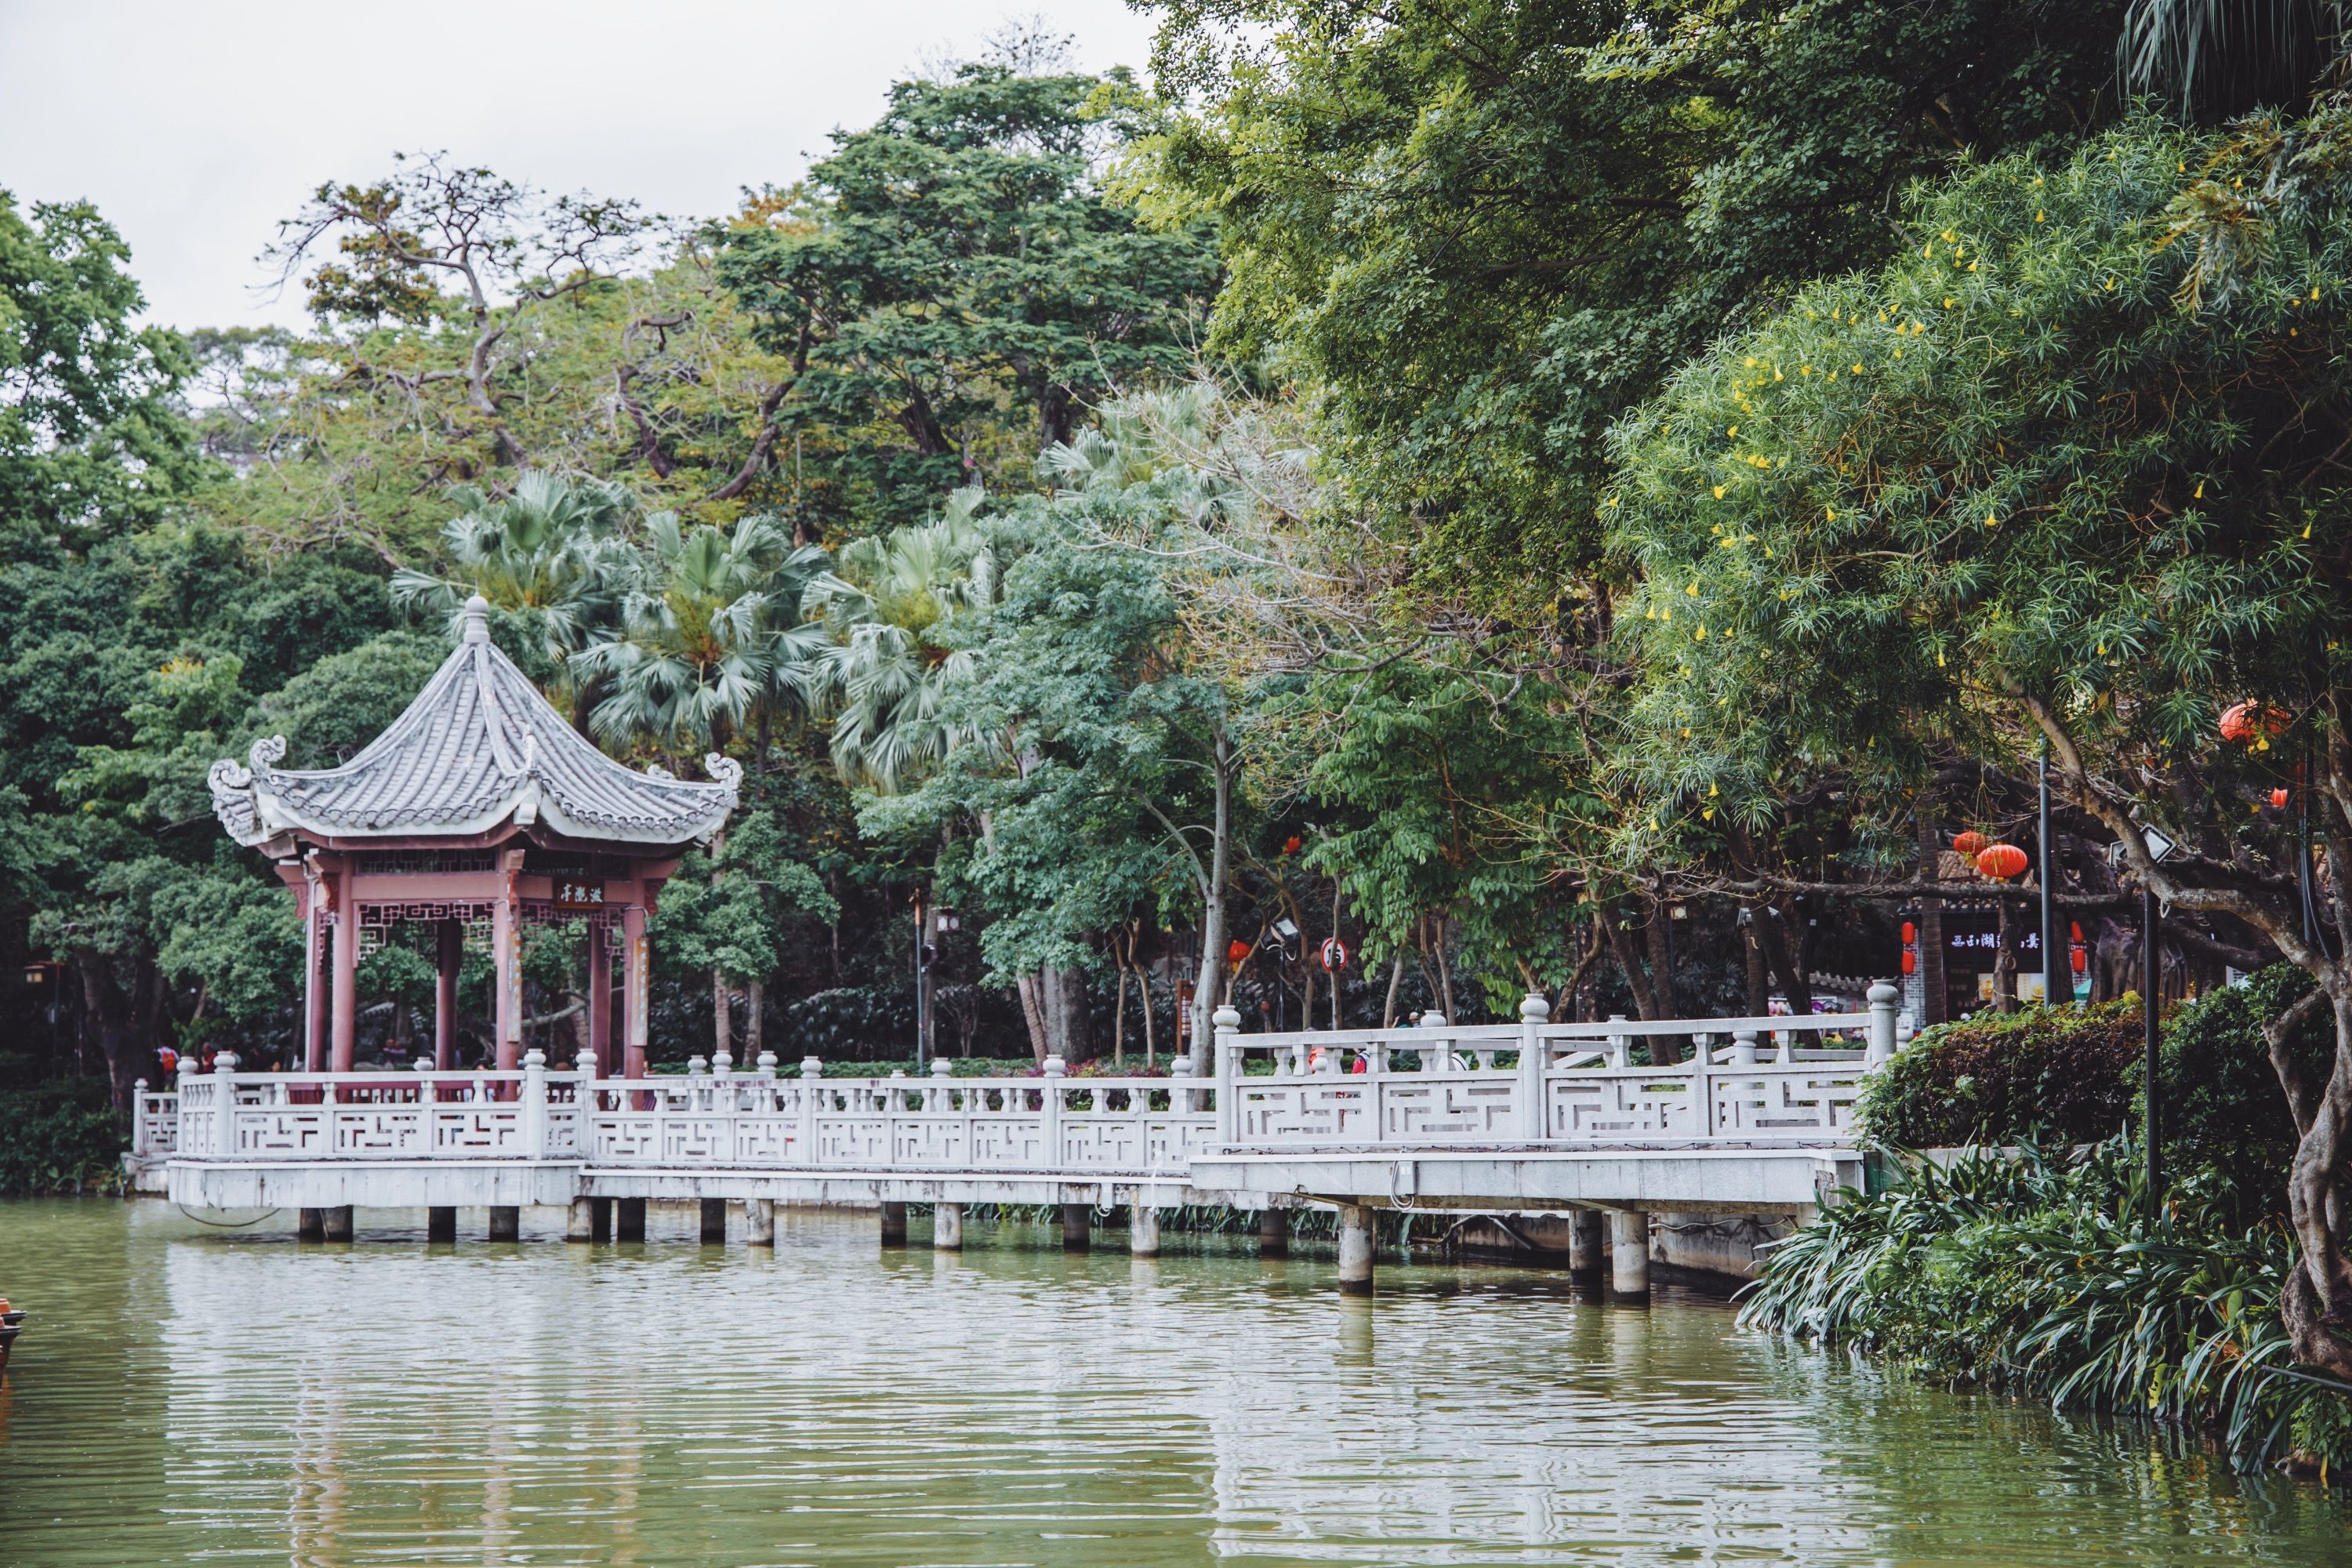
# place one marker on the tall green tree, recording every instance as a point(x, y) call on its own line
point(92, 438)
point(960, 286)
point(1481, 230)
point(2067, 473)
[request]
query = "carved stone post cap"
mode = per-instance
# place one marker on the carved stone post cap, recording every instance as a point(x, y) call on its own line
point(697, 1066)
point(811, 1067)
point(766, 1061)
point(420, 1064)
point(1180, 1068)
point(1226, 1018)
point(1535, 1010)
point(941, 1068)
point(1054, 1066)
point(139, 1085)
point(224, 1062)
point(721, 1064)
point(1433, 1019)
point(534, 1060)
point(584, 1061)
point(1882, 994)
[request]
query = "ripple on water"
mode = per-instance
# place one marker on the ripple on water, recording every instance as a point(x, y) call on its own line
point(190, 1394)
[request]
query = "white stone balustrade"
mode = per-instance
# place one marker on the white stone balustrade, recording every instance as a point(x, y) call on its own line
point(1710, 1081)
point(1373, 1106)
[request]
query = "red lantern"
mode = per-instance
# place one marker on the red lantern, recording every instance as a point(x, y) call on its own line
point(2249, 722)
point(1971, 844)
point(1237, 952)
point(2001, 861)
point(2278, 798)
point(2077, 954)
point(1290, 845)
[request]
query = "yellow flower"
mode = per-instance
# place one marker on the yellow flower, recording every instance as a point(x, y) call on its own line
point(2037, 215)
point(1898, 353)
point(1804, 370)
point(1939, 658)
point(1948, 301)
point(1992, 521)
point(1707, 816)
point(2111, 285)
point(1731, 430)
point(1692, 590)
point(1699, 635)
point(1718, 492)
point(1831, 511)
point(2201, 492)
point(1612, 502)
point(1857, 369)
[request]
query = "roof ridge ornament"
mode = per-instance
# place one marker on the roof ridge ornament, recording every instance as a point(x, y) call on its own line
point(724, 770)
point(477, 620)
point(265, 754)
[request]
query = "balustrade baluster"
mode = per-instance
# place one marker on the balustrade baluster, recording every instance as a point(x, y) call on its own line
point(1535, 1011)
point(812, 1097)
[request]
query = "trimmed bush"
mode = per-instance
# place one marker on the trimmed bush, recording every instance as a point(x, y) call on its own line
point(2040, 1073)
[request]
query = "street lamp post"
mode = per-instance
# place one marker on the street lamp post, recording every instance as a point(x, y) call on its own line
point(2152, 969)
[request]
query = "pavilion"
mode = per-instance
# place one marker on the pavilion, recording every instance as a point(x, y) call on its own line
point(480, 810)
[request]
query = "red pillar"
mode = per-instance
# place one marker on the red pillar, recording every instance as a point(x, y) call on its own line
point(506, 950)
point(600, 996)
point(638, 965)
point(347, 971)
point(450, 956)
point(315, 981)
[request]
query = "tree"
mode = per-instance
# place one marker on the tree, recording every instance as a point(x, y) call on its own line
point(958, 260)
point(698, 652)
point(440, 244)
point(2065, 473)
point(874, 654)
point(92, 441)
point(1480, 231)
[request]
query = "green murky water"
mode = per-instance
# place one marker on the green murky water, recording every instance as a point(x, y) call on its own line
point(195, 1395)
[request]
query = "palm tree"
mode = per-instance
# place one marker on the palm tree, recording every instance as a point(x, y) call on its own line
point(868, 655)
point(2212, 59)
point(548, 554)
point(695, 655)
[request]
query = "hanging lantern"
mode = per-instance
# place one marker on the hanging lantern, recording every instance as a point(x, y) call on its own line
point(1290, 845)
point(1971, 844)
point(2077, 956)
point(2279, 798)
point(1910, 948)
point(2251, 724)
point(1237, 952)
point(2001, 861)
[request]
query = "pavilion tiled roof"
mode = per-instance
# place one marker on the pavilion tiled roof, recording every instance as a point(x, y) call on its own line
point(479, 747)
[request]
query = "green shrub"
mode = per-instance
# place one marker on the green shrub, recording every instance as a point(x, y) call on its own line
point(61, 1136)
point(2056, 1281)
point(2222, 1106)
point(2052, 1075)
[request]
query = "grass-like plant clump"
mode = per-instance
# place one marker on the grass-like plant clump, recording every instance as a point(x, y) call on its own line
point(2056, 1278)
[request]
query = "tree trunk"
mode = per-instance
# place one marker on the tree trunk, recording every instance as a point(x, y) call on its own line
point(1143, 979)
point(1069, 1022)
point(1661, 940)
point(1032, 1013)
point(755, 1034)
point(722, 1023)
point(1396, 978)
point(1936, 1008)
point(2316, 1308)
point(1760, 988)
point(1629, 963)
point(1118, 1020)
point(124, 1024)
point(1216, 979)
point(1783, 950)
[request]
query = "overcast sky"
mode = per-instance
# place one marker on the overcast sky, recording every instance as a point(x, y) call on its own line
point(197, 124)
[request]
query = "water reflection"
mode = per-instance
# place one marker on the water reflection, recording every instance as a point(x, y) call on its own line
point(188, 1394)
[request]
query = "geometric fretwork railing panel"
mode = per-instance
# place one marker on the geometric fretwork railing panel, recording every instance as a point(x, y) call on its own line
point(1535, 1085)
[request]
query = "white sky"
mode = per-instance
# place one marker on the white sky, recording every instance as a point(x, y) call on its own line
point(194, 125)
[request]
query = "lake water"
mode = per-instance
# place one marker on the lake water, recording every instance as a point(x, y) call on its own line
point(185, 1395)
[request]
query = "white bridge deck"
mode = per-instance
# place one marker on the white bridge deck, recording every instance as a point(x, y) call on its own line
point(1535, 1115)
